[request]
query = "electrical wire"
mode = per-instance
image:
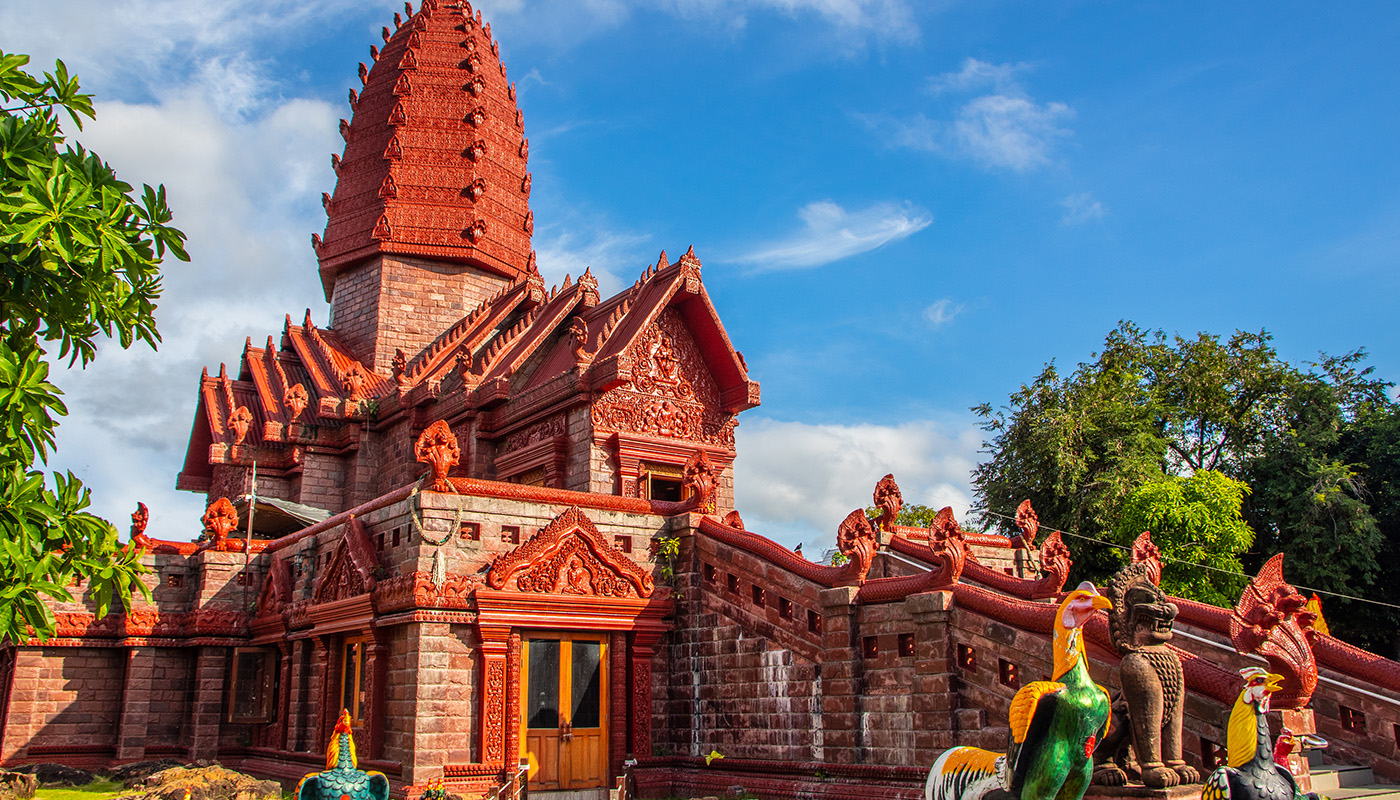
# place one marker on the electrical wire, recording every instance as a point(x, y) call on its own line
point(1202, 566)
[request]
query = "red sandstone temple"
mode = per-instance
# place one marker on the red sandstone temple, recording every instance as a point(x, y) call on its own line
point(494, 521)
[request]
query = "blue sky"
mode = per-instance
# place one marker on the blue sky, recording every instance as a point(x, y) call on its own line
point(903, 208)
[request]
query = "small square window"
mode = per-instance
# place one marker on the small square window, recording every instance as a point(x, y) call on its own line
point(1006, 674)
point(241, 579)
point(711, 575)
point(967, 657)
point(1212, 754)
point(784, 608)
point(1008, 570)
point(1352, 720)
point(758, 597)
point(470, 532)
point(379, 542)
point(623, 543)
point(397, 532)
point(733, 583)
point(870, 647)
point(814, 622)
point(174, 580)
point(906, 645)
point(510, 534)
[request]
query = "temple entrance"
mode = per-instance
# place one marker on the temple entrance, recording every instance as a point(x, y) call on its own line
point(563, 696)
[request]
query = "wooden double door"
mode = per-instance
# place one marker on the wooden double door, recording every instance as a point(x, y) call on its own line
point(564, 715)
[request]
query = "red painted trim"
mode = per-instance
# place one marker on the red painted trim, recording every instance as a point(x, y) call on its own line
point(775, 553)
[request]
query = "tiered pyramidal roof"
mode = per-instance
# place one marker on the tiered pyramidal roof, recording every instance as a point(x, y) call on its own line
point(435, 152)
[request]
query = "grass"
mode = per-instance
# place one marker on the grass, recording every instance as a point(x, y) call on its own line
point(100, 789)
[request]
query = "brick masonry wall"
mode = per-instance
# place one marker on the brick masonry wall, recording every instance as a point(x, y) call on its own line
point(67, 698)
point(394, 302)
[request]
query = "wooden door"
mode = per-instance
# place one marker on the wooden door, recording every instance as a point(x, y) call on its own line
point(563, 702)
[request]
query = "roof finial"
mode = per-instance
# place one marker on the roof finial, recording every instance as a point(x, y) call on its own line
point(364, 74)
point(384, 31)
point(307, 322)
point(661, 262)
point(408, 9)
point(398, 21)
point(373, 53)
point(354, 99)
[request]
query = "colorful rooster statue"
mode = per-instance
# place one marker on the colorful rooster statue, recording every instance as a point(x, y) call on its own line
point(1288, 741)
point(342, 780)
point(1252, 773)
point(1055, 726)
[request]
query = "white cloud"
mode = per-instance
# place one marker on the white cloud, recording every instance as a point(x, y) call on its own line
point(941, 312)
point(1002, 129)
point(833, 233)
point(613, 256)
point(245, 191)
point(1081, 208)
point(795, 482)
point(977, 75)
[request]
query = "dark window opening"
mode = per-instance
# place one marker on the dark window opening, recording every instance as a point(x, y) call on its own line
point(784, 608)
point(397, 532)
point(906, 645)
point(814, 622)
point(354, 678)
point(253, 685)
point(1212, 754)
point(870, 646)
point(1006, 673)
point(470, 531)
point(174, 581)
point(967, 657)
point(510, 534)
point(733, 583)
point(758, 596)
point(1352, 720)
point(711, 574)
point(623, 543)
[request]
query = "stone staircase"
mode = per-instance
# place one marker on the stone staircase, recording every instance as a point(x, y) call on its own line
point(1345, 782)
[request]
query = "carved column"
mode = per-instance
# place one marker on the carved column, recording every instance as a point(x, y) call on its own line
point(933, 697)
point(495, 644)
point(284, 696)
point(617, 703)
point(842, 672)
point(512, 703)
point(324, 671)
point(378, 666)
point(136, 703)
point(640, 655)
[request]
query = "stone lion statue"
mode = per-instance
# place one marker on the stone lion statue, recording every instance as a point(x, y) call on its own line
point(1148, 712)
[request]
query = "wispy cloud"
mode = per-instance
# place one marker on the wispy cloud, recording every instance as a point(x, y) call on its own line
point(833, 233)
point(941, 312)
point(795, 482)
point(611, 255)
point(1081, 208)
point(1004, 128)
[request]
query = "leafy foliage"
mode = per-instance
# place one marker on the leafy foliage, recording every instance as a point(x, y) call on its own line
point(1100, 451)
point(1195, 519)
point(79, 259)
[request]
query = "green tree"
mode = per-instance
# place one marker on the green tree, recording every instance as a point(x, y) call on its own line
point(1195, 519)
point(1151, 408)
point(79, 261)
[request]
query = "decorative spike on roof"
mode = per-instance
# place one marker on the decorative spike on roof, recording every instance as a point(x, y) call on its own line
point(447, 129)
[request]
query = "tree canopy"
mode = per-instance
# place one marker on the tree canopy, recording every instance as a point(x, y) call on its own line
point(1121, 444)
point(79, 258)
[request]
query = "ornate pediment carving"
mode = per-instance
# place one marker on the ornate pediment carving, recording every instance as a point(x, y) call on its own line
point(352, 565)
point(570, 556)
point(671, 392)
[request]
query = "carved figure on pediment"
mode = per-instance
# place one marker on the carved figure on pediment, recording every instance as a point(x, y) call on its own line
point(399, 364)
point(295, 399)
point(569, 555)
point(889, 500)
point(354, 382)
point(219, 520)
point(1272, 620)
point(948, 546)
point(698, 478)
point(238, 422)
point(855, 539)
point(1148, 714)
point(1055, 561)
point(578, 331)
point(1145, 552)
point(1027, 525)
point(139, 518)
point(437, 447)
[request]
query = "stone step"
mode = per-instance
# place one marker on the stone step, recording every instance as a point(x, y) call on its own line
point(1340, 776)
point(1372, 792)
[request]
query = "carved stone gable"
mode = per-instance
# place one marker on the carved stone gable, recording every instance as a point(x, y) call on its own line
point(352, 566)
point(276, 589)
point(570, 556)
point(671, 393)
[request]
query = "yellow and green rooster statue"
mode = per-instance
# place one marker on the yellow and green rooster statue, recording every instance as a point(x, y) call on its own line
point(1252, 773)
point(342, 779)
point(1055, 726)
